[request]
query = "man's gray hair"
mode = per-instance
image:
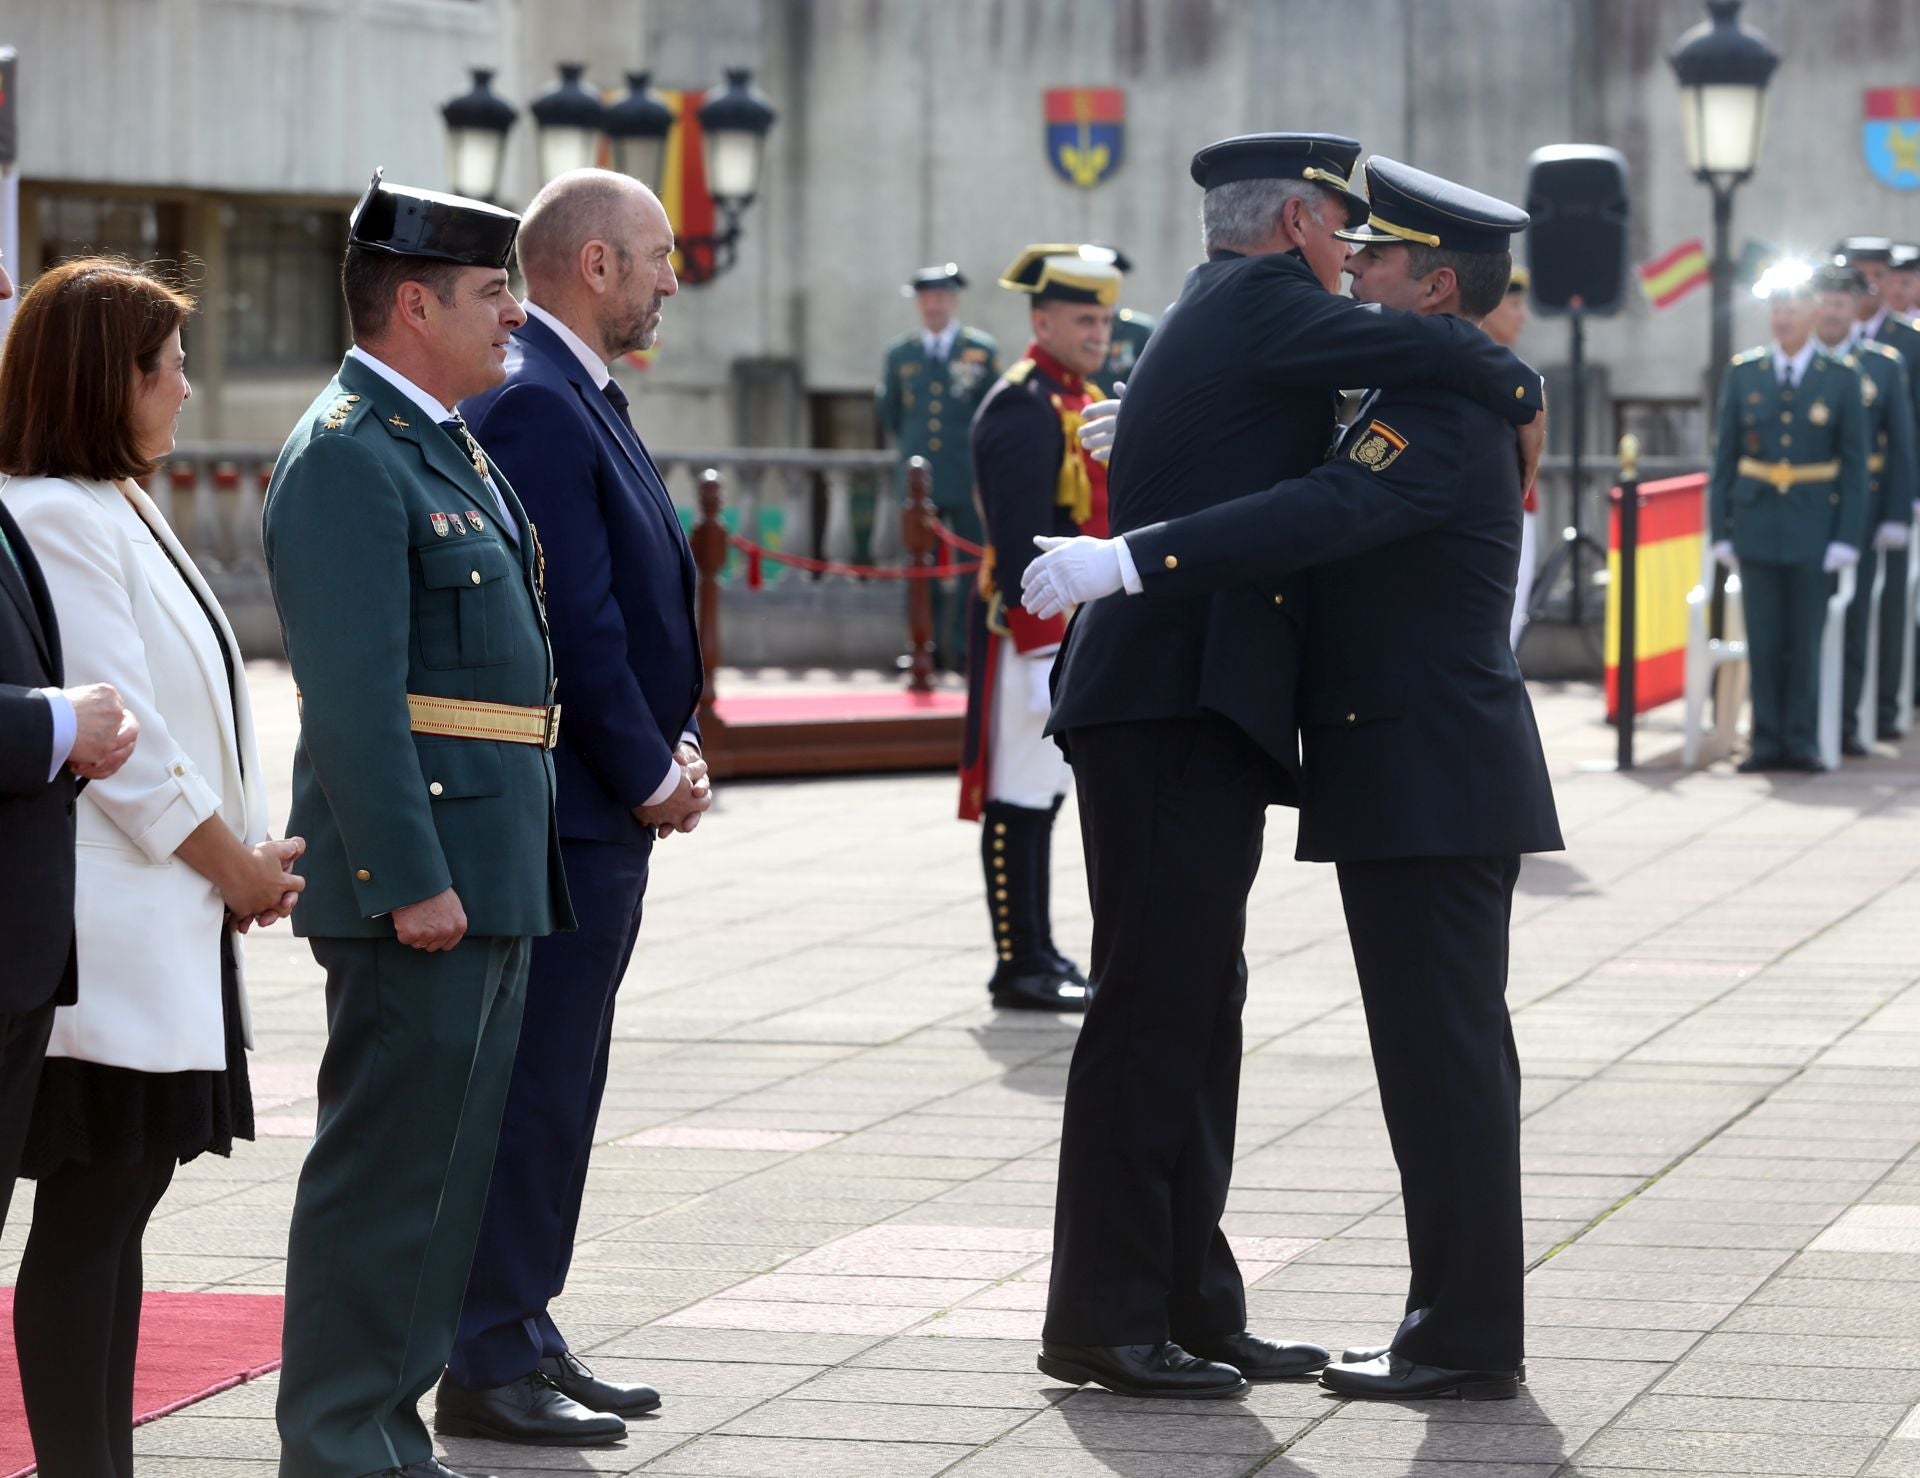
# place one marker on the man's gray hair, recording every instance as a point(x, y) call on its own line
point(572, 209)
point(1244, 214)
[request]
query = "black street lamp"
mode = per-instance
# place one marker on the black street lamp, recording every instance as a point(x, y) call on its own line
point(638, 125)
point(571, 118)
point(734, 122)
point(1723, 69)
point(477, 125)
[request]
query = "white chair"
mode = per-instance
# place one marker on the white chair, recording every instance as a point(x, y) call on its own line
point(1833, 656)
point(1706, 655)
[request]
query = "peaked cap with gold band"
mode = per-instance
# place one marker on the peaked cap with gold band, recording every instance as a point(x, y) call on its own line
point(1069, 273)
point(1325, 159)
point(405, 222)
point(1411, 207)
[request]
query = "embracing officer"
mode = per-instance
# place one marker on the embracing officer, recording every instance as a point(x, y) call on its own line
point(931, 383)
point(1787, 507)
point(1890, 497)
point(407, 580)
point(1033, 478)
point(1422, 776)
point(1179, 719)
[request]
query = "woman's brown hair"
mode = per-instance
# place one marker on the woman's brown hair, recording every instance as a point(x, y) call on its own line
point(80, 337)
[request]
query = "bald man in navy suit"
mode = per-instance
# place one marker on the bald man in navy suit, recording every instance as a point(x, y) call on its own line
point(595, 249)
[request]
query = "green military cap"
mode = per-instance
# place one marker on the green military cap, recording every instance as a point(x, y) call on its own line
point(1836, 276)
point(1067, 273)
point(1408, 205)
point(407, 222)
point(1326, 159)
point(946, 276)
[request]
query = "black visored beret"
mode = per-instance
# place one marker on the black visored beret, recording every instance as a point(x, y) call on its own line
point(424, 223)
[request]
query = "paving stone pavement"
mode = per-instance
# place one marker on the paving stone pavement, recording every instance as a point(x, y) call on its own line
point(818, 1217)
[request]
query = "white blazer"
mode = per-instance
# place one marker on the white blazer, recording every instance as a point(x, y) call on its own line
point(149, 929)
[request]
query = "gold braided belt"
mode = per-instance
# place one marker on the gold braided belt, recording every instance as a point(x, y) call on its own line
point(469, 718)
point(1784, 475)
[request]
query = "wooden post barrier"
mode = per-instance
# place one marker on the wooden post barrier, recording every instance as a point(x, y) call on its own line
point(917, 521)
point(709, 558)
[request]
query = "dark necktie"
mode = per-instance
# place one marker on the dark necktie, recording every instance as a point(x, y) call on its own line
point(617, 398)
point(456, 429)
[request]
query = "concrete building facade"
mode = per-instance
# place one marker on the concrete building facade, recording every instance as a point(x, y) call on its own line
point(237, 133)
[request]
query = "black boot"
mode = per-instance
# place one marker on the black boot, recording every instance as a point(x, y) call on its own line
point(1011, 839)
point(1043, 902)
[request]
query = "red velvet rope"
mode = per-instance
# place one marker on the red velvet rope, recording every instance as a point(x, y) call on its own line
point(755, 553)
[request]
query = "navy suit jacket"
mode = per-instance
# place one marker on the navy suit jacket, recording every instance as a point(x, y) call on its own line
point(620, 582)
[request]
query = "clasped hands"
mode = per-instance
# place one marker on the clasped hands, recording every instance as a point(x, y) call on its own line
point(689, 799)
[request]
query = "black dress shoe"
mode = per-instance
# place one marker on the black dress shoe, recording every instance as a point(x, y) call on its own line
point(1854, 749)
point(573, 1379)
point(1141, 1370)
point(1261, 1359)
point(531, 1410)
point(1889, 731)
point(1361, 1354)
point(1395, 1378)
point(1045, 990)
point(1803, 764)
point(432, 1467)
point(1760, 764)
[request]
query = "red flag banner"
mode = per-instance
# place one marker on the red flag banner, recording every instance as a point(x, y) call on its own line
point(1666, 280)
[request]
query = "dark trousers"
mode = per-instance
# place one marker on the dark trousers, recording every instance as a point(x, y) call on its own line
point(1171, 813)
point(419, 1052)
point(1430, 941)
point(559, 1074)
point(76, 1313)
point(23, 1047)
point(1786, 607)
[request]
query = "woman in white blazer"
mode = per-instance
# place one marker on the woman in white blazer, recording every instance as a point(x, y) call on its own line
point(148, 1069)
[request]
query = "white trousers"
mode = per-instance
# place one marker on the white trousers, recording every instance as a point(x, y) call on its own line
point(1024, 766)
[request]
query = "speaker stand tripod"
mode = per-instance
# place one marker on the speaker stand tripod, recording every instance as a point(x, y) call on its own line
point(1576, 545)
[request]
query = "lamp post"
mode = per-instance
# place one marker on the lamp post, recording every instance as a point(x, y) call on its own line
point(1723, 69)
point(570, 117)
point(734, 122)
point(477, 125)
point(638, 126)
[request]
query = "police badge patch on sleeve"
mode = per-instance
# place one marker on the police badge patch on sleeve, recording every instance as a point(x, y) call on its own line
point(1377, 446)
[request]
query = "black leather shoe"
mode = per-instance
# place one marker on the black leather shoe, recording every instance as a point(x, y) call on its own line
point(1395, 1378)
point(1761, 764)
point(1803, 764)
point(432, 1467)
point(1854, 749)
point(573, 1379)
point(531, 1410)
point(1261, 1359)
point(1141, 1370)
point(1043, 991)
point(1361, 1354)
point(1889, 731)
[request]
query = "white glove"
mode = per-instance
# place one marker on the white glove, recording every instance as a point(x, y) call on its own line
point(1723, 552)
point(1039, 672)
point(1100, 423)
point(1839, 557)
point(1070, 572)
point(1890, 536)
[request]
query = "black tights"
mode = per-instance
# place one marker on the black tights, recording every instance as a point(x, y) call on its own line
point(76, 1313)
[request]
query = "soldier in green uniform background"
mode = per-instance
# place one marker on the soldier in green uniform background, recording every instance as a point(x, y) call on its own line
point(1787, 506)
point(930, 385)
point(1131, 327)
point(1890, 493)
point(406, 579)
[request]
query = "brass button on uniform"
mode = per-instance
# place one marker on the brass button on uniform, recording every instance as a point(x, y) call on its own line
point(934, 406)
point(179, 769)
point(933, 423)
point(933, 444)
point(936, 388)
point(436, 788)
point(1172, 562)
point(476, 577)
point(1353, 718)
point(364, 875)
point(1519, 392)
point(1786, 418)
point(1279, 600)
point(1785, 440)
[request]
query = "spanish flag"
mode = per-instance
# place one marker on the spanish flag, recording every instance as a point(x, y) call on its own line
point(1666, 280)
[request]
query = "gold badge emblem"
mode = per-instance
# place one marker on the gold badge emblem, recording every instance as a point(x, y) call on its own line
point(439, 524)
point(396, 421)
point(476, 520)
point(1819, 415)
point(1378, 446)
point(1868, 390)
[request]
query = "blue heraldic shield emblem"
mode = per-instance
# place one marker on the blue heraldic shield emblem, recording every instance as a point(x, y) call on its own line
point(1891, 136)
point(1086, 133)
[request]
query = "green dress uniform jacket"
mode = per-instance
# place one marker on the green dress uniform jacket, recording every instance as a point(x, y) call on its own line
point(927, 405)
point(1759, 496)
point(392, 577)
point(1891, 473)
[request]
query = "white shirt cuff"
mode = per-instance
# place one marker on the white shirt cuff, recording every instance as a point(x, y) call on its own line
point(666, 787)
point(66, 728)
point(1129, 572)
point(689, 737)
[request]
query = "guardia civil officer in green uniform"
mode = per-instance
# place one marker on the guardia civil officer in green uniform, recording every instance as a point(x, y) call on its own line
point(931, 383)
point(1131, 327)
point(407, 582)
point(1890, 493)
point(1787, 505)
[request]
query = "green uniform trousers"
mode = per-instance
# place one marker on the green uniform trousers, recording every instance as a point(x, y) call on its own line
point(419, 1053)
point(1893, 612)
point(1786, 606)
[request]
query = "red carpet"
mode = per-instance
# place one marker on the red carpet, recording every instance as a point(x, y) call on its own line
point(830, 707)
point(191, 1345)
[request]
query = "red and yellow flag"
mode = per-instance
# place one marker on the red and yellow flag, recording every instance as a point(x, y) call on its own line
point(1672, 536)
point(1666, 280)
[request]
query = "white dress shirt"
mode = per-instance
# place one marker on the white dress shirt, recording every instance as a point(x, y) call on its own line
point(1794, 368)
point(439, 413)
point(940, 345)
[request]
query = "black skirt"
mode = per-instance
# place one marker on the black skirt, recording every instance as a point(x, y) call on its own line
point(86, 1112)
